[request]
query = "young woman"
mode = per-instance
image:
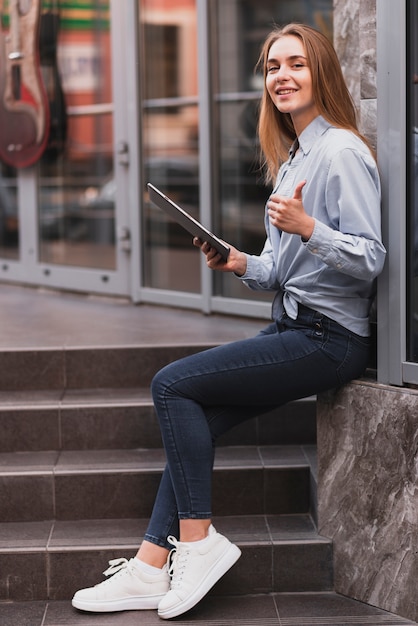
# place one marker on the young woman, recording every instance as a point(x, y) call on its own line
point(322, 254)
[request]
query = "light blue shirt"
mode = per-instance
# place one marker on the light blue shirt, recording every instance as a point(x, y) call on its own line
point(334, 271)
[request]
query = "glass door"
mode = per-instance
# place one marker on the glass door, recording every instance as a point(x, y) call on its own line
point(170, 141)
point(67, 215)
point(77, 183)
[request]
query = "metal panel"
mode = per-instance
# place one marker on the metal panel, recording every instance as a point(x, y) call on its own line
point(391, 149)
point(124, 23)
point(205, 139)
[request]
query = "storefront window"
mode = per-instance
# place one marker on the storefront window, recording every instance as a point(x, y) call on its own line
point(412, 160)
point(170, 139)
point(241, 26)
point(9, 216)
point(76, 203)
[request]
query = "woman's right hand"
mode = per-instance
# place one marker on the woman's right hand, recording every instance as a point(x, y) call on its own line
point(236, 261)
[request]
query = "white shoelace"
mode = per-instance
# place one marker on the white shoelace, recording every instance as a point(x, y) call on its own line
point(116, 565)
point(177, 561)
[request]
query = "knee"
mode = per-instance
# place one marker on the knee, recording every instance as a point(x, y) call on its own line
point(166, 380)
point(158, 384)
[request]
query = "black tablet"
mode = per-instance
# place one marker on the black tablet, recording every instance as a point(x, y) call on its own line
point(188, 222)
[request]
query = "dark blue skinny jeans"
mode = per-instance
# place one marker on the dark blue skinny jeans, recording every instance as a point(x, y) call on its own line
point(200, 397)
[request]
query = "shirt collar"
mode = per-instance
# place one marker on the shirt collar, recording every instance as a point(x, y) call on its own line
point(315, 129)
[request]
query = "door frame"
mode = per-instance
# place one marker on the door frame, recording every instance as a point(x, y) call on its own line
point(122, 281)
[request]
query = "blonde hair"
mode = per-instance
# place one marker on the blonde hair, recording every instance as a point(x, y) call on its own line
point(330, 94)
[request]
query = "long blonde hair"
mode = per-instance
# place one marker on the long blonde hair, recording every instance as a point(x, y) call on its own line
point(330, 94)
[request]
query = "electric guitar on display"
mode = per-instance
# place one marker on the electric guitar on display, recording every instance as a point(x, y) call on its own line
point(24, 108)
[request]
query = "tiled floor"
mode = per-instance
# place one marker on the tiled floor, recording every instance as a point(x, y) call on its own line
point(321, 609)
point(42, 319)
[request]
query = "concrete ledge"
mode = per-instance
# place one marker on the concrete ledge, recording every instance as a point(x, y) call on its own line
point(368, 492)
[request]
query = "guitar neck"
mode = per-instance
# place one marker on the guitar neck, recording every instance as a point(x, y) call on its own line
point(15, 53)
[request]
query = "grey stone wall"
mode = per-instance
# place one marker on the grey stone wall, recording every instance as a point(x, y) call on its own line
point(347, 42)
point(355, 43)
point(368, 492)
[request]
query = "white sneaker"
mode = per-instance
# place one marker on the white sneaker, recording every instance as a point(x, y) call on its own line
point(194, 570)
point(129, 588)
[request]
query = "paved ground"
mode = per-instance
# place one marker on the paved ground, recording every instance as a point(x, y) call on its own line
point(305, 609)
point(43, 319)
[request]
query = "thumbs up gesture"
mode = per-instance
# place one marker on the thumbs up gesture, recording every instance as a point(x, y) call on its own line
point(289, 214)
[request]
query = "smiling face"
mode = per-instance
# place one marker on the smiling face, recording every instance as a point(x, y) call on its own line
point(289, 81)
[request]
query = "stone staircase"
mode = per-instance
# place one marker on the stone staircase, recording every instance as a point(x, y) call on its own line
point(81, 459)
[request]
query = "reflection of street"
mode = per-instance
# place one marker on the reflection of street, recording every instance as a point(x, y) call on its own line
point(180, 266)
point(78, 253)
point(9, 224)
point(166, 264)
point(9, 252)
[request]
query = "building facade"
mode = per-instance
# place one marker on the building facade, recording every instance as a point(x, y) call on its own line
point(99, 97)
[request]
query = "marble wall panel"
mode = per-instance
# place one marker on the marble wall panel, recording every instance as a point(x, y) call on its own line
point(347, 42)
point(367, 49)
point(355, 43)
point(368, 492)
point(368, 120)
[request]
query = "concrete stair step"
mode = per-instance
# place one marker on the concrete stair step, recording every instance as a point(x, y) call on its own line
point(273, 609)
point(52, 559)
point(122, 418)
point(86, 484)
point(81, 460)
point(84, 368)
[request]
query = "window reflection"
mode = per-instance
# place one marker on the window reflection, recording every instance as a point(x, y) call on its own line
point(170, 139)
point(77, 191)
point(9, 217)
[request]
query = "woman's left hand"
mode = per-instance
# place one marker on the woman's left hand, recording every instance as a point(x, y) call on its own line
point(288, 214)
point(236, 261)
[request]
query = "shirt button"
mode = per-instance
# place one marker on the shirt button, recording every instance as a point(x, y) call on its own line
point(315, 250)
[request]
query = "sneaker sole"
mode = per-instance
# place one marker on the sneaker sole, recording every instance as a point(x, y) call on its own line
point(228, 559)
point(126, 604)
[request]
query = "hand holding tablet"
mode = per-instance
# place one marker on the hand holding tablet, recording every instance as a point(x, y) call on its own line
point(185, 220)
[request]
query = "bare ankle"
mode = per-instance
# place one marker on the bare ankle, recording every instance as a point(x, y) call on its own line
point(152, 554)
point(194, 529)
